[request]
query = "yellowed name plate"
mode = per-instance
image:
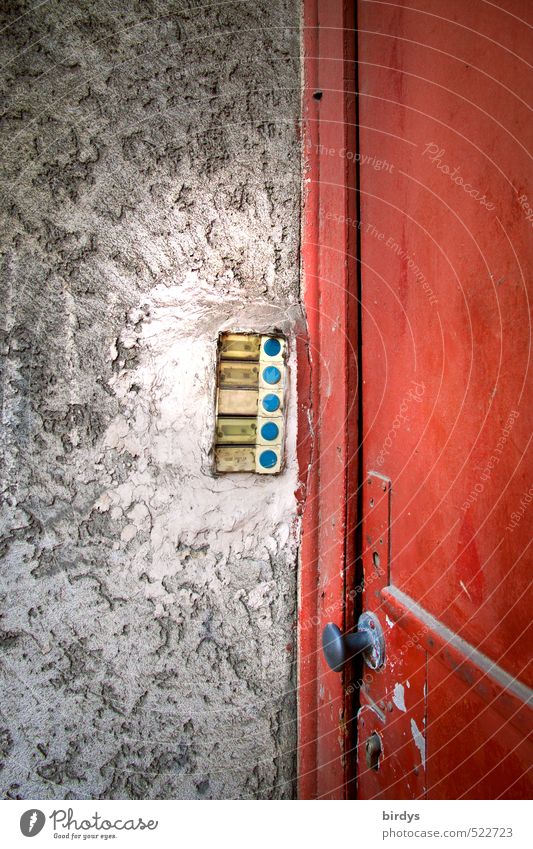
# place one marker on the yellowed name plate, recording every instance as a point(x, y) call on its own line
point(239, 346)
point(229, 459)
point(238, 375)
point(236, 431)
point(240, 402)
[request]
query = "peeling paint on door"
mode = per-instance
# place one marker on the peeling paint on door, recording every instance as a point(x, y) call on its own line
point(420, 742)
point(398, 697)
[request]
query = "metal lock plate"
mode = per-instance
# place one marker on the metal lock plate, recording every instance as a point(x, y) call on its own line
point(368, 623)
point(373, 751)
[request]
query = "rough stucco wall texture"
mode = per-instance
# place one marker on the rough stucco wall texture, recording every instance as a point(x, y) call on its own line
point(151, 183)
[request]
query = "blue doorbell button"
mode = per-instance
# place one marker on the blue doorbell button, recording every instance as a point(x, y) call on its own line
point(268, 459)
point(271, 375)
point(271, 403)
point(270, 431)
point(272, 347)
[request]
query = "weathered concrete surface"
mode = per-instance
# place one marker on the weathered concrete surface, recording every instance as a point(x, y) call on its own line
point(151, 181)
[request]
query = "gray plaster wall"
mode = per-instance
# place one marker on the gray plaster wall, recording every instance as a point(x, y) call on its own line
point(150, 196)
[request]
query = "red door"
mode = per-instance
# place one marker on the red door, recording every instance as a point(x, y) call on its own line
point(443, 217)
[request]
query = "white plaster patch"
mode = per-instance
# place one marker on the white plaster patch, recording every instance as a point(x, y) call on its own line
point(167, 424)
point(398, 697)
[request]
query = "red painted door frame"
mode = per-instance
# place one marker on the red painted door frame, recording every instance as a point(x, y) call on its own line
point(329, 429)
point(327, 391)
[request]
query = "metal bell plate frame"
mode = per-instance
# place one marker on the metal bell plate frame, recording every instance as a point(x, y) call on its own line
point(251, 390)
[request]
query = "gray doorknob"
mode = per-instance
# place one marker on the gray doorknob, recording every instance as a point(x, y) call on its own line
point(368, 640)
